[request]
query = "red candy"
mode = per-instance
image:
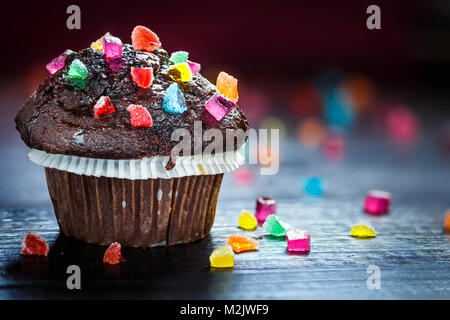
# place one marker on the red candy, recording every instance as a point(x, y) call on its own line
point(103, 107)
point(144, 39)
point(143, 77)
point(140, 117)
point(34, 244)
point(113, 255)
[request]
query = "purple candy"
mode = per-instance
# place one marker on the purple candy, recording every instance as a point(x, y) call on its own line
point(112, 47)
point(58, 63)
point(219, 107)
point(298, 240)
point(265, 206)
point(195, 67)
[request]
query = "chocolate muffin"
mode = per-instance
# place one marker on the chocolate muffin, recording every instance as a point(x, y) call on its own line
point(105, 126)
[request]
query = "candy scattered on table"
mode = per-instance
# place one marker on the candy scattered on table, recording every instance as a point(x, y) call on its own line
point(112, 47)
point(240, 243)
point(311, 132)
point(222, 257)
point(195, 67)
point(77, 74)
point(219, 107)
point(334, 147)
point(402, 125)
point(243, 176)
point(447, 221)
point(377, 202)
point(34, 244)
point(180, 73)
point(98, 44)
point(144, 39)
point(227, 85)
point(313, 186)
point(337, 112)
point(265, 206)
point(113, 255)
point(179, 57)
point(275, 225)
point(298, 240)
point(103, 107)
point(143, 77)
point(58, 63)
point(247, 221)
point(173, 100)
point(363, 230)
point(140, 117)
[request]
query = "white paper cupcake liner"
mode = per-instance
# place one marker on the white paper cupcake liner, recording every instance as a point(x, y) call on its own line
point(141, 169)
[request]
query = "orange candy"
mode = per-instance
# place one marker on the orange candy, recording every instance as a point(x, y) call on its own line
point(241, 243)
point(227, 85)
point(144, 39)
point(447, 221)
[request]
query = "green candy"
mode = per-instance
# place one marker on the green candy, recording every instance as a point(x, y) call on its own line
point(77, 74)
point(179, 57)
point(275, 225)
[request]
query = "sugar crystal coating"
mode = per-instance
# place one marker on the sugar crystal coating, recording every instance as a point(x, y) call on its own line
point(219, 107)
point(275, 225)
point(179, 57)
point(173, 101)
point(265, 206)
point(140, 117)
point(34, 244)
point(113, 255)
point(143, 77)
point(144, 39)
point(180, 73)
point(112, 47)
point(377, 202)
point(58, 63)
point(103, 107)
point(240, 243)
point(247, 221)
point(195, 67)
point(222, 257)
point(362, 230)
point(227, 85)
point(298, 240)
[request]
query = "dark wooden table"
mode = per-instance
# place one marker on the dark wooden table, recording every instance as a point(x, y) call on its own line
point(411, 249)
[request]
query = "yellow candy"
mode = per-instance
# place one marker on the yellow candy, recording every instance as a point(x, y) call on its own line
point(363, 230)
point(97, 45)
point(247, 221)
point(222, 257)
point(180, 73)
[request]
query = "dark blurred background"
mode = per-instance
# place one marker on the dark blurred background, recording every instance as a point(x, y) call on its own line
point(311, 68)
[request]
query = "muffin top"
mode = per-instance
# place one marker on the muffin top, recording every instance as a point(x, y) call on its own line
point(114, 101)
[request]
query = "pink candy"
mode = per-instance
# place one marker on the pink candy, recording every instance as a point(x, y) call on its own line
point(58, 63)
point(265, 206)
point(195, 67)
point(219, 107)
point(112, 47)
point(298, 240)
point(377, 202)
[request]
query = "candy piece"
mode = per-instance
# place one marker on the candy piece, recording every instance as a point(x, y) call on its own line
point(112, 47)
point(402, 125)
point(311, 132)
point(241, 243)
point(298, 240)
point(98, 44)
point(144, 39)
point(363, 230)
point(337, 111)
point(180, 73)
point(179, 57)
point(34, 244)
point(265, 206)
point(113, 254)
point(247, 221)
point(275, 225)
point(447, 221)
point(227, 85)
point(103, 107)
point(313, 186)
point(219, 107)
point(140, 117)
point(377, 202)
point(58, 63)
point(116, 64)
point(77, 74)
point(222, 257)
point(334, 147)
point(143, 77)
point(173, 101)
point(243, 176)
point(195, 67)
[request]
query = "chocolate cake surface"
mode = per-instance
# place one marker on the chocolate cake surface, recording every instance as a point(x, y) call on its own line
point(59, 118)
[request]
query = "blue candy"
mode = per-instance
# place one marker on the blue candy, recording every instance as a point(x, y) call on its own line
point(313, 186)
point(173, 101)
